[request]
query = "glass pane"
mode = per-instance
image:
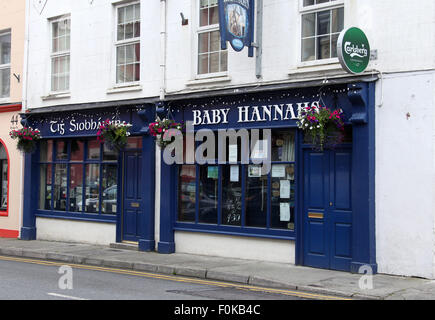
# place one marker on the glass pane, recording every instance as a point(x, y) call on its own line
point(120, 32)
point(203, 17)
point(4, 186)
point(129, 73)
point(137, 11)
point(108, 154)
point(45, 187)
point(109, 193)
point(214, 41)
point(136, 71)
point(120, 74)
point(308, 2)
point(308, 49)
point(5, 78)
point(120, 55)
point(308, 25)
point(5, 49)
point(323, 22)
point(134, 143)
point(224, 60)
point(283, 145)
point(130, 55)
point(77, 150)
point(129, 32)
point(137, 29)
point(60, 186)
point(187, 193)
point(61, 150)
point(203, 63)
point(283, 196)
point(322, 1)
point(208, 194)
point(203, 4)
point(213, 15)
point(121, 15)
point(203, 42)
point(232, 195)
point(334, 45)
point(337, 20)
point(214, 62)
point(92, 190)
point(129, 13)
point(255, 197)
point(323, 47)
point(46, 150)
point(55, 29)
point(76, 188)
point(93, 149)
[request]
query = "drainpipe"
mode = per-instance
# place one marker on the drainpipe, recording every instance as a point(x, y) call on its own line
point(162, 49)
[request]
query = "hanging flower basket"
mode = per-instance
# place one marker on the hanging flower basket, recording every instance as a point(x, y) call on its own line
point(27, 138)
point(322, 127)
point(114, 135)
point(161, 130)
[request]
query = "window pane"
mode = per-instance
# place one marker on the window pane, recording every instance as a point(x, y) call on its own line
point(76, 188)
point(208, 194)
point(203, 63)
point(60, 186)
point(283, 145)
point(203, 42)
point(46, 150)
point(214, 41)
point(121, 31)
point(108, 154)
point(4, 184)
point(121, 15)
point(5, 78)
point(45, 187)
point(256, 197)
point(187, 193)
point(136, 71)
point(214, 62)
point(334, 45)
point(61, 150)
point(77, 150)
point(55, 29)
point(120, 55)
point(134, 143)
point(109, 192)
point(323, 47)
point(5, 49)
point(337, 20)
point(129, 73)
point(129, 13)
point(283, 196)
point(129, 31)
point(308, 2)
point(136, 29)
point(323, 22)
point(93, 149)
point(92, 194)
point(308, 25)
point(213, 15)
point(224, 60)
point(308, 49)
point(203, 17)
point(232, 195)
point(120, 74)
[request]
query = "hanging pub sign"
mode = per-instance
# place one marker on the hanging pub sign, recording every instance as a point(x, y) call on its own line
point(236, 20)
point(353, 50)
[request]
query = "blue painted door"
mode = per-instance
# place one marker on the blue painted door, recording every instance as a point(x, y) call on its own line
point(132, 201)
point(327, 210)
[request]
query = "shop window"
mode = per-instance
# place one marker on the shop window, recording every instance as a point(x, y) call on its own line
point(241, 197)
point(4, 179)
point(128, 43)
point(322, 22)
point(78, 180)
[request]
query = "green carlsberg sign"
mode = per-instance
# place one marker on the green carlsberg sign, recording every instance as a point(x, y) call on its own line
point(353, 50)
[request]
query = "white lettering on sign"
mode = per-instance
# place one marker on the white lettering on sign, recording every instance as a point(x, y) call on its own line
point(275, 112)
point(76, 126)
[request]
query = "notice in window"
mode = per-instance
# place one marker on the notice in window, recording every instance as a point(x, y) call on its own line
point(278, 171)
point(284, 211)
point(284, 189)
point(234, 174)
point(232, 156)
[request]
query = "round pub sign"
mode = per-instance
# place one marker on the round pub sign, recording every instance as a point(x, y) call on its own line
point(353, 50)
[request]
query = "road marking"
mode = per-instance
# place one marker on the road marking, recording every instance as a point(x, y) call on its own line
point(178, 279)
point(64, 296)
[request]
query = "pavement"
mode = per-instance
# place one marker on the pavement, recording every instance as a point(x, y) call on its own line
point(245, 272)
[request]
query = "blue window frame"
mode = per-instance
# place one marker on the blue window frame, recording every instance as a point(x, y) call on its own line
point(236, 199)
point(78, 179)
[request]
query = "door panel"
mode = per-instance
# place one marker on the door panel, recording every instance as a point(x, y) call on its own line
point(132, 213)
point(327, 190)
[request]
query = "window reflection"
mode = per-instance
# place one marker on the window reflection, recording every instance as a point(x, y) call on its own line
point(77, 150)
point(60, 183)
point(232, 195)
point(45, 187)
point(208, 194)
point(256, 197)
point(187, 193)
point(76, 187)
point(109, 189)
point(92, 194)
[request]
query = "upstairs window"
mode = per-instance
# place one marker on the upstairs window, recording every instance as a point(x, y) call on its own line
point(5, 64)
point(322, 22)
point(60, 54)
point(128, 43)
point(211, 59)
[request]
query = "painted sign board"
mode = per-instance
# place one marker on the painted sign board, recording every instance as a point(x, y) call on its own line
point(236, 22)
point(353, 50)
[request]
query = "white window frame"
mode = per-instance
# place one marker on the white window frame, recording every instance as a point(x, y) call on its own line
point(311, 9)
point(59, 54)
point(117, 43)
point(199, 30)
point(7, 66)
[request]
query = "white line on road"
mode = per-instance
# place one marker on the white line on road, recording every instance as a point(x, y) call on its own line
point(64, 296)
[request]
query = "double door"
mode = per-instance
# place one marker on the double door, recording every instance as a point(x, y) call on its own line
point(327, 209)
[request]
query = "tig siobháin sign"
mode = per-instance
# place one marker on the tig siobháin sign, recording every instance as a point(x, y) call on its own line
point(236, 19)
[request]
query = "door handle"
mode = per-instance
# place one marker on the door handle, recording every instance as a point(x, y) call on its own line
point(330, 204)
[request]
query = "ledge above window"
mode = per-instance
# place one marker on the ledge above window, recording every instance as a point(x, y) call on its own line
point(209, 79)
point(57, 95)
point(125, 88)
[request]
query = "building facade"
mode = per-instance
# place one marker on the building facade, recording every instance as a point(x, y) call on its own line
point(339, 208)
point(12, 33)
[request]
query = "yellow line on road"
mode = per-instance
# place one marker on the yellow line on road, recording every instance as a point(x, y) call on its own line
point(177, 278)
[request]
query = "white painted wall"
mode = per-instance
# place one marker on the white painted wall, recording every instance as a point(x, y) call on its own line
point(75, 231)
point(405, 175)
point(235, 247)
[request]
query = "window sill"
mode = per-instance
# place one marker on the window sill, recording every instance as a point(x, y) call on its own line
point(209, 79)
point(57, 95)
point(125, 88)
point(5, 100)
point(316, 69)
